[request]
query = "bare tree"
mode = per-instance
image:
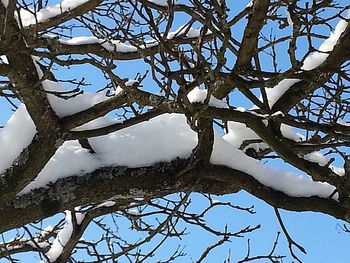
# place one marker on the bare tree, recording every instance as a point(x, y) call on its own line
point(192, 96)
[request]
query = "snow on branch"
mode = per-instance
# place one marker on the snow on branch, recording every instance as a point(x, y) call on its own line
point(184, 32)
point(312, 61)
point(28, 17)
point(168, 137)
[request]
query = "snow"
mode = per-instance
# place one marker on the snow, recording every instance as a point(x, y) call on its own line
point(198, 96)
point(287, 182)
point(130, 147)
point(248, 78)
point(80, 217)
point(21, 242)
point(288, 132)
point(82, 40)
point(97, 123)
point(277, 113)
point(289, 18)
point(273, 94)
point(110, 45)
point(47, 230)
point(38, 243)
point(317, 58)
point(29, 18)
point(61, 239)
point(129, 83)
point(35, 242)
point(108, 203)
point(20, 129)
point(316, 157)
point(118, 46)
point(159, 2)
point(239, 132)
point(167, 137)
point(17, 135)
point(3, 59)
point(190, 32)
point(5, 3)
point(338, 170)
point(312, 61)
point(66, 107)
point(134, 211)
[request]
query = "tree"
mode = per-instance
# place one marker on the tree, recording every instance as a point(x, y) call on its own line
point(191, 97)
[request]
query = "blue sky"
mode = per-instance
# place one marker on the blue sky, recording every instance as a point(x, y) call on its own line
point(319, 234)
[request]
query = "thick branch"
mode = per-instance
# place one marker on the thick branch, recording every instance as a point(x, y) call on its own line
point(124, 183)
point(248, 48)
point(24, 77)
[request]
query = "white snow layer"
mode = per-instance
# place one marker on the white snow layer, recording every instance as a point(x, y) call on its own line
point(288, 132)
point(287, 182)
point(5, 3)
point(318, 57)
point(239, 132)
point(185, 30)
point(20, 129)
point(198, 96)
point(30, 18)
point(110, 45)
point(66, 107)
point(312, 61)
point(273, 94)
point(97, 123)
point(3, 59)
point(161, 139)
point(316, 157)
point(166, 137)
point(17, 135)
point(118, 46)
point(61, 239)
point(159, 2)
